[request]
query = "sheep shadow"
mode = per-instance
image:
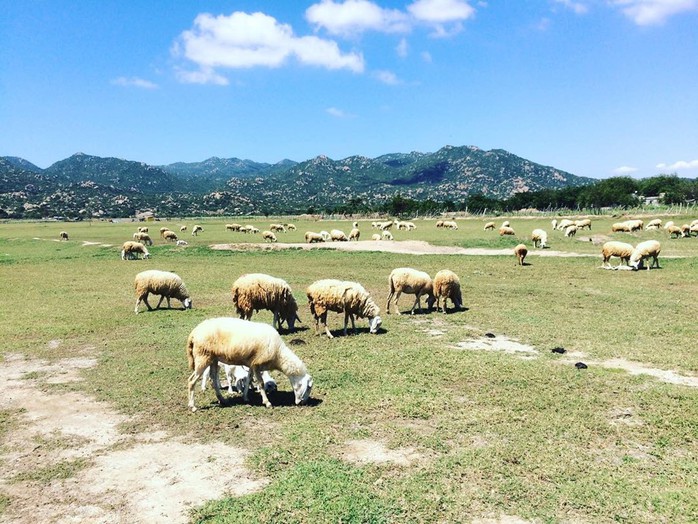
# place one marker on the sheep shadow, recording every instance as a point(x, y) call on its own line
point(278, 399)
point(339, 333)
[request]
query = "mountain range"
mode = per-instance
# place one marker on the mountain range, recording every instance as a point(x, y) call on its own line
point(85, 185)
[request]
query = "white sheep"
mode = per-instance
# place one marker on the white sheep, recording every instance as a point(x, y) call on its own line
point(668, 224)
point(355, 225)
point(142, 229)
point(63, 235)
point(450, 224)
point(277, 228)
point(325, 236)
point(354, 234)
point(337, 235)
point(571, 231)
point(506, 223)
point(520, 252)
point(182, 229)
point(385, 225)
point(387, 235)
point(646, 249)
point(255, 291)
point(655, 223)
point(583, 223)
point(240, 342)
point(620, 227)
point(375, 236)
point(413, 282)
point(170, 236)
point(130, 250)
point(564, 223)
point(506, 231)
point(290, 227)
point(410, 226)
point(553, 223)
point(182, 243)
point(164, 283)
point(447, 285)
point(233, 227)
point(268, 236)
point(238, 378)
point(615, 249)
point(143, 238)
point(163, 230)
point(439, 223)
point(674, 230)
point(540, 238)
point(312, 237)
point(345, 297)
point(196, 230)
point(635, 225)
point(489, 226)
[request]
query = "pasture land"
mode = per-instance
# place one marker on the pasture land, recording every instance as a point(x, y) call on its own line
point(428, 421)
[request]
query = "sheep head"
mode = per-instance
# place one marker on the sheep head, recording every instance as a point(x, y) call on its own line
point(302, 386)
point(187, 303)
point(374, 323)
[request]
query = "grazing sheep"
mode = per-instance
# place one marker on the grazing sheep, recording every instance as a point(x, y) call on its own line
point(355, 225)
point(439, 223)
point(345, 297)
point(170, 236)
point(694, 222)
point(685, 230)
point(142, 229)
point(164, 283)
point(182, 229)
point(143, 238)
point(450, 224)
point(387, 235)
point(646, 249)
point(571, 231)
point(635, 225)
point(63, 235)
point(447, 285)
point(196, 230)
point(290, 227)
point(693, 230)
point(564, 223)
point(553, 223)
point(277, 228)
point(163, 230)
point(385, 225)
point(615, 249)
point(268, 236)
point(412, 282)
point(540, 238)
point(311, 237)
point(520, 251)
point(489, 226)
point(233, 227)
point(182, 243)
point(674, 230)
point(240, 342)
point(337, 235)
point(506, 231)
point(130, 250)
point(654, 224)
point(375, 236)
point(256, 291)
point(620, 227)
point(408, 226)
point(506, 223)
point(325, 236)
point(668, 224)
point(354, 234)
point(583, 223)
point(241, 374)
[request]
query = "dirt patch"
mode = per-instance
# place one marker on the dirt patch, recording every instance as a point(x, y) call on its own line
point(637, 368)
point(503, 519)
point(376, 452)
point(143, 478)
point(499, 343)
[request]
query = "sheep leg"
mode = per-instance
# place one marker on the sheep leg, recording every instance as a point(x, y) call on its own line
point(397, 297)
point(417, 304)
point(199, 368)
point(353, 325)
point(323, 318)
point(205, 377)
point(215, 378)
point(138, 301)
point(387, 307)
point(162, 297)
point(145, 300)
point(260, 380)
point(229, 377)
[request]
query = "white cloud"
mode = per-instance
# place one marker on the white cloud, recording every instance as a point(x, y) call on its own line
point(243, 40)
point(387, 77)
point(624, 170)
point(441, 11)
point(205, 75)
point(402, 48)
point(681, 164)
point(652, 12)
point(426, 56)
point(333, 111)
point(356, 16)
point(134, 82)
point(577, 7)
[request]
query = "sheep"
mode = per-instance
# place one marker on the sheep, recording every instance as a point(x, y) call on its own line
point(196, 230)
point(693, 229)
point(520, 252)
point(163, 230)
point(620, 227)
point(182, 229)
point(562, 224)
point(354, 234)
point(233, 227)
point(447, 285)
point(413, 282)
point(553, 223)
point(685, 230)
point(170, 236)
point(540, 238)
point(506, 231)
point(385, 225)
point(325, 235)
point(240, 342)
point(342, 296)
point(142, 229)
point(143, 238)
point(439, 223)
point(164, 283)
point(668, 224)
point(241, 374)
point(375, 236)
point(654, 224)
point(646, 249)
point(182, 243)
point(506, 223)
point(571, 231)
point(291, 227)
point(489, 226)
point(252, 230)
point(268, 236)
point(450, 224)
point(337, 235)
point(387, 235)
point(255, 291)
point(277, 228)
point(410, 226)
point(674, 230)
point(63, 235)
point(312, 237)
point(583, 223)
point(615, 249)
point(355, 225)
point(694, 222)
point(130, 250)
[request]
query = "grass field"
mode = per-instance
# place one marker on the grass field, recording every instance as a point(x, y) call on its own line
point(484, 434)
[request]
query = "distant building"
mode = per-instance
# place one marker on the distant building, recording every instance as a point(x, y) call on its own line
point(145, 216)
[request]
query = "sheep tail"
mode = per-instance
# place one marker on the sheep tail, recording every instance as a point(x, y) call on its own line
point(190, 352)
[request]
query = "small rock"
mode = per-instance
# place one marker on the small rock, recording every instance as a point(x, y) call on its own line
point(297, 342)
point(559, 350)
point(581, 365)
point(489, 335)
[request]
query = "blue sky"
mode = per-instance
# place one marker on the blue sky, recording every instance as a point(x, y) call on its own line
point(593, 87)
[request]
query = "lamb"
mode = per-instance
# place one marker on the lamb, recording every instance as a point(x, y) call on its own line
point(387, 235)
point(375, 236)
point(170, 236)
point(342, 296)
point(268, 236)
point(277, 228)
point(450, 224)
point(233, 227)
point(413, 282)
point(143, 238)
point(142, 229)
point(63, 235)
point(447, 285)
point(540, 238)
point(196, 230)
point(182, 229)
point(163, 230)
point(506, 231)
point(164, 283)
point(571, 231)
point(654, 224)
point(489, 226)
point(337, 235)
point(646, 249)
point(674, 230)
point(241, 374)
point(521, 251)
point(291, 227)
point(615, 249)
point(354, 234)
point(583, 223)
point(130, 250)
point(255, 291)
point(311, 237)
point(240, 342)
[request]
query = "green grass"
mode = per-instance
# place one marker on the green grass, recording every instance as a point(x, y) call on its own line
point(496, 434)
